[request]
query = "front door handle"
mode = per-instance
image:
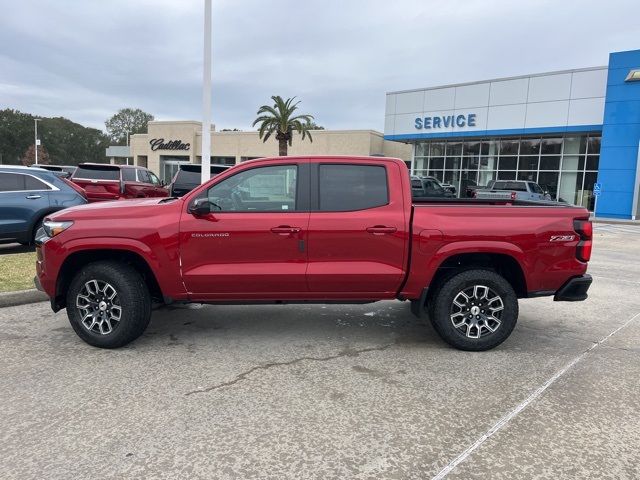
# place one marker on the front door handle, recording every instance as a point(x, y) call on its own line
point(33, 197)
point(381, 230)
point(285, 230)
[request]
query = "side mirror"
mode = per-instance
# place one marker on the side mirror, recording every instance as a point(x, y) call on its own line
point(200, 207)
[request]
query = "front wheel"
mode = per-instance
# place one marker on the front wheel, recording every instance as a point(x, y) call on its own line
point(108, 304)
point(475, 310)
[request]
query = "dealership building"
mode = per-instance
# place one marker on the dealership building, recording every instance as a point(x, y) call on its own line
point(168, 144)
point(570, 131)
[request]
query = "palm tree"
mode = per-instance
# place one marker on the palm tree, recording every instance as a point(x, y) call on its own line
point(280, 119)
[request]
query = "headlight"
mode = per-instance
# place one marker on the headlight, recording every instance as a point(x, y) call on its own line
point(54, 228)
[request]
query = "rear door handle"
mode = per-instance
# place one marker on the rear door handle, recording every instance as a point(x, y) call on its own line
point(285, 230)
point(381, 230)
point(33, 197)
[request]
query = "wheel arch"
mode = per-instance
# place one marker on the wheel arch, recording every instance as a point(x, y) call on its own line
point(502, 263)
point(78, 259)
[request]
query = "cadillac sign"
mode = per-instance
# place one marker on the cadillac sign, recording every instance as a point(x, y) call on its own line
point(160, 144)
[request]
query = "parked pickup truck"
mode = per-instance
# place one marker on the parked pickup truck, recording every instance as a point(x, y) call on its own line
point(103, 181)
point(513, 190)
point(312, 229)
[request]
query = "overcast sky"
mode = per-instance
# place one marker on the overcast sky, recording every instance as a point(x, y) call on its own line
point(85, 59)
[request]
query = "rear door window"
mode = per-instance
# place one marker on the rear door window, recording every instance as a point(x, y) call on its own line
point(17, 182)
point(352, 187)
point(129, 174)
point(11, 182)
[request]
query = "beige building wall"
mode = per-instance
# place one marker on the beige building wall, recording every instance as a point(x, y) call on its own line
point(243, 145)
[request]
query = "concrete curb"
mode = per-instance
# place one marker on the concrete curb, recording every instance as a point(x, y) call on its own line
point(21, 297)
point(615, 221)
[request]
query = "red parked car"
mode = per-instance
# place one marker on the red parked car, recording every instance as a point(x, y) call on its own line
point(319, 229)
point(102, 181)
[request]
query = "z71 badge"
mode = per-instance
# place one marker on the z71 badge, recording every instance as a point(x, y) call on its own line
point(562, 238)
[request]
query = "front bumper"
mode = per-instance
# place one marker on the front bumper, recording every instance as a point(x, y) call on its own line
point(575, 290)
point(37, 283)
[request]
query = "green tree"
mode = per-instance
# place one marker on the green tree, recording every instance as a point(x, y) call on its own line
point(67, 142)
point(132, 120)
point(280, 120)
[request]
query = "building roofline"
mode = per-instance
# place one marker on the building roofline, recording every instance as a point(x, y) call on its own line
point(254, 132)
point(501, 79)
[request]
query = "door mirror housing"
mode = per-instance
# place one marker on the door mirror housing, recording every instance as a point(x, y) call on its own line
point(200, 207)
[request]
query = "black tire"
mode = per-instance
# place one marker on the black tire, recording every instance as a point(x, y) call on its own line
point(132, 298)
point(34, 233)
point(491, 326)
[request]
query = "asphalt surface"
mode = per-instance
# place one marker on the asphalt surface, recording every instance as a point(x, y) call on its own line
point(324, 392)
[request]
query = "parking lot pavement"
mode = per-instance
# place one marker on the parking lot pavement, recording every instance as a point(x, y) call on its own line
point(333, 391)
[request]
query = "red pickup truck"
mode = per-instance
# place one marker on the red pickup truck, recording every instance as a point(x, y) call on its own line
point(102, 181)
point(313, 229)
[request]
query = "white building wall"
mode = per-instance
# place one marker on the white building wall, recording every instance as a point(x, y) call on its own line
point(553, 100)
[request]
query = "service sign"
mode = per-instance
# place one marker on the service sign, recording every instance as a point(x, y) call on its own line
point(445, 121)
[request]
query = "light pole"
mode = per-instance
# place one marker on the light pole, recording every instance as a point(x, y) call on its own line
point(37, 143)
point(206, 96)
point(128, 147)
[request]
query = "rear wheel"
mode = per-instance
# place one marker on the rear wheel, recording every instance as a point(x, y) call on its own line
point(108, 304)
point(474, 310)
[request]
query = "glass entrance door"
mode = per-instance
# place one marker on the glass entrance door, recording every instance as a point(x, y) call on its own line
point(170, 165)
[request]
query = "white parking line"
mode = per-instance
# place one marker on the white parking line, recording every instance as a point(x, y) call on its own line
point(509, 416)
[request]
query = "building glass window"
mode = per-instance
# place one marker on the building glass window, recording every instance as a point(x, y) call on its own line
point(550, 162)
point(508, 163)
point(528, 163)
point(565, 167)
point(506, 175)
point(593, 145)
point(551, 146)
point(436, 163)
point(530, 146)
point(509, 147)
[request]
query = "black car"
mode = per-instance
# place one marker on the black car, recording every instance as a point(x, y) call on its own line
point(428, 187)
point(188, 177)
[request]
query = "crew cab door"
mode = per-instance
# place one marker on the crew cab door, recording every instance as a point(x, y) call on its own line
point(252, 244)
point(358, 230)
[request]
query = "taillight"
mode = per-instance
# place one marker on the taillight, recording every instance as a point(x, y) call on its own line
point(77, 188)
point(513, 195)
point(584, 228)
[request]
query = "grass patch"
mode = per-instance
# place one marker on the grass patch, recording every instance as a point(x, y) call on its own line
point(17, 271)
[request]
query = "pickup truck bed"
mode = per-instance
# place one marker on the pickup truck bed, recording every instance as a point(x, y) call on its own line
point(313, 229)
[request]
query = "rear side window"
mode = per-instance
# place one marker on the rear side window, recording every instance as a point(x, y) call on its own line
point(17, 182)
point(535, 188)
point(352, 187)
point(32, 183)
point(97, 173)
point(129, 174)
